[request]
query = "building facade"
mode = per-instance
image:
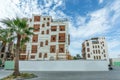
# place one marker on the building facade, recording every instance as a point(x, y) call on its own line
point(50, 40)
point(95, 49)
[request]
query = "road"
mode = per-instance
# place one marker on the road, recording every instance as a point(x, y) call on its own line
point(70, 75)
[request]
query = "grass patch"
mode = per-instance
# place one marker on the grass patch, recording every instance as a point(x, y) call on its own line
point(22, 76)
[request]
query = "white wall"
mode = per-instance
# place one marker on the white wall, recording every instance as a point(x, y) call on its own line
point(73, 65)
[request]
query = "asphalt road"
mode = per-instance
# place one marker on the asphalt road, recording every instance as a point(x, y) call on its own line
point(70, 75)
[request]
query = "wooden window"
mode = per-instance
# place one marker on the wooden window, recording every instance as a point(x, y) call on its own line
point(88, 49)
point(48, 18)
point(61, 37)
point(45, 55)
point(36, 18)
point(22, 57)
point(35, 38)
point(53, 38)
point(42, 32)
point(88, 55)
point(41, 44)
point(47, 32)
point(43, 25)
point(44, 18)
point(34, 49)
point(46, 42)
point(52, 49)
point(62, 28)
point(61, 48)
point(36, 27)
point(32, 56)
point(23, 49)
point(40, 55)
point(48, 24)
point(53, 28)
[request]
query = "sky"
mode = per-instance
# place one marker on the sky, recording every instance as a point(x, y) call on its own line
point(87, 18)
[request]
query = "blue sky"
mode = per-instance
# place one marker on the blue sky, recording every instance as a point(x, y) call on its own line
point(87, 18)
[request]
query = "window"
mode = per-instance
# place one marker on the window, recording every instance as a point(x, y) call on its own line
point(99, 51)
point(104, 55)
point(53, 38)
point(43, 25)
point(36, 27)
point(88, 49)
point(45, 55)
point(93, 46)
point(94, 51)
point(46, 42)
point(87, 44)
point(35, 38)
point(52, 49)
point(99, 57)
point(23, 49)
point(48, 24)
point(61, 48)
point(104, 51)
point(32, 57)
point(34, 49)
point(53, 28)
point(36, 18)
point(44, 18)
point(22, 57)
point(94, 57)
point(62, 28)
point(48, 18)
point(47, 32)
point(42, 32)
point(98, 46)
point(40, 55)
point(61, 37)
point(41, 44)
point(88, 55)
point(30, 20)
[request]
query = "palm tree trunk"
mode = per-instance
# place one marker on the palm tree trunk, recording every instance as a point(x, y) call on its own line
point(16, 69)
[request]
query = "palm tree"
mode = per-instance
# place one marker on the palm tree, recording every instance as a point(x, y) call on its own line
point(5, 38)
point(19, 28)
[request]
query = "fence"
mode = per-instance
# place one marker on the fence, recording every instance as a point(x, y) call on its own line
point(72, 65)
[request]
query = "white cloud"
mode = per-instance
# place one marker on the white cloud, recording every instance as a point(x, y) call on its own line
point(100, 1)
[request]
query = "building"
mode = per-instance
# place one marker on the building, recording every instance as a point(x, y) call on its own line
point(50, 40)
point(95, 49)
point(115, 61)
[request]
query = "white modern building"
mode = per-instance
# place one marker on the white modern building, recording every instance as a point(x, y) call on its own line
point(95, 49)
point(50, 40)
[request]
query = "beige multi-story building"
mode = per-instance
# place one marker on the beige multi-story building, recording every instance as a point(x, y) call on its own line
point(95, 49)
point(50, 40)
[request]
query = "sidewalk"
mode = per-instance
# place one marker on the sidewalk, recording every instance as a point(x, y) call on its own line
point(4, 73)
